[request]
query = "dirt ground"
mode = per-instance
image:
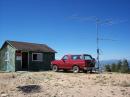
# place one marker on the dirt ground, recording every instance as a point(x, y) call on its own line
point(61, 84)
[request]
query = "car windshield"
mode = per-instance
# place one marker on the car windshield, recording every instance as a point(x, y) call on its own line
point(87, 57)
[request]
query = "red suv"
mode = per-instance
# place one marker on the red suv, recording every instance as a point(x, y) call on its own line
point(75, 63)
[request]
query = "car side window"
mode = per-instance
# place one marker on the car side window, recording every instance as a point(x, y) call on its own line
point(65, 58)
point(87, 57)
point(76, 57)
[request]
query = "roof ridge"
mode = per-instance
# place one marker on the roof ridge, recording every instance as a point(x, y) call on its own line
point(30, 46)
point(25, 42)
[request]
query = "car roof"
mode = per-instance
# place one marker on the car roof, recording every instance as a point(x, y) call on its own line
point(76, 54)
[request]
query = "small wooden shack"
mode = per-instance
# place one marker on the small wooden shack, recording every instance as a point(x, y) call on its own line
point(20, 56)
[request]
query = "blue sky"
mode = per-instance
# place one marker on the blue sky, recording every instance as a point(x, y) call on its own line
point(51, 22)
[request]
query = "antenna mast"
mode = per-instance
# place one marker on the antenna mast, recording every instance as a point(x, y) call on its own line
point(98, 23)
point(97, 28)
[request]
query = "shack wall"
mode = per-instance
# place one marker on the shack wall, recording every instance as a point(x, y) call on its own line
point(7, 58)
point(37, 65)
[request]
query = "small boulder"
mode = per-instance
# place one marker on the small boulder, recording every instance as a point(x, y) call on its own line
point(4, 95)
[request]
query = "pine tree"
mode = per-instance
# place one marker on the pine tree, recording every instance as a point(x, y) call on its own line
point(113, 67)
point(118, 66)
point(108, 68)
point(125, 66)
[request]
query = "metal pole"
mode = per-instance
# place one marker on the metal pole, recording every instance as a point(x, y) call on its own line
point(97, 27)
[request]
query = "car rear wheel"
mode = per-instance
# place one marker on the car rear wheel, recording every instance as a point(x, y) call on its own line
point(55, 68)
point(75, 69)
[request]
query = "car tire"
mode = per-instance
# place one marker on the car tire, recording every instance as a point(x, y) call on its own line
point(55, 68)
point(75, 69)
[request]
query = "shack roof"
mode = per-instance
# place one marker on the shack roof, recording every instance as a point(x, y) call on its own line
point(26, 46)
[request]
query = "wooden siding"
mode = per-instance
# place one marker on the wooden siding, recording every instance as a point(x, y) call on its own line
point(10, 64)
point(37, 65)
point(44, 65)
point(15, 65)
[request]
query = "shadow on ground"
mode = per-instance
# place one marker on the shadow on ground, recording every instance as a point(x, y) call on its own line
point(62, 71)
point(29, 88)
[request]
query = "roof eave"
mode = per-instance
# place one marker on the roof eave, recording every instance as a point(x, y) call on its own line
point(10, 44)
point(7, 43)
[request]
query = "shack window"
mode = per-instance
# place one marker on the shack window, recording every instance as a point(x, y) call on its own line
point(6, 57)
point(37, 57)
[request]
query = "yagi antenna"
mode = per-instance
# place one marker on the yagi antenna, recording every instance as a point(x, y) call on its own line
point(107, 39)
point(98, 22)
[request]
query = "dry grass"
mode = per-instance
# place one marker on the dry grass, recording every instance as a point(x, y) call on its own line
point(125, 84)
point(60, 84)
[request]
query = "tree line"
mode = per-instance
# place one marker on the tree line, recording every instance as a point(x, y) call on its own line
point(121, 66)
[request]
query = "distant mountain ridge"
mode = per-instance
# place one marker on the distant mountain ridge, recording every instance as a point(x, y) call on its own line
point(108, 61)
point(104, 62)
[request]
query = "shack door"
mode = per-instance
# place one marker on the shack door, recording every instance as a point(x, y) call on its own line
point(24, 60)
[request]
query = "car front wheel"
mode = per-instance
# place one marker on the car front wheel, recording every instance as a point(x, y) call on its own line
point(55, 68)
point(75, 69)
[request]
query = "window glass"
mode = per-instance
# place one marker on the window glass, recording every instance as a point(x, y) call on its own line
point(65, 58)
point(76, 57)
point(37, 56)
point(87, 57)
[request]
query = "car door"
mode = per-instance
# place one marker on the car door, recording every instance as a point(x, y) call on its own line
point(65, 62)
point(77, 60)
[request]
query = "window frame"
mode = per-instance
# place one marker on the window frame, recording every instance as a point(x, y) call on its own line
point(66, 57)
point(89, 56)
point(37, 54)
point(79, 57)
